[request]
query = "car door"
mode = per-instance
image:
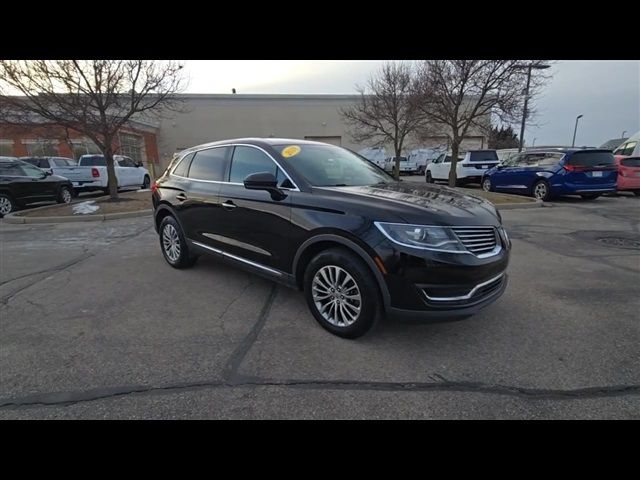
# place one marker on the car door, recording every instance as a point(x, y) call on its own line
point(256, 225)
point(197, 197)
point(127, 172)
point(14, 180)
point(35, 184)
point(506, 176)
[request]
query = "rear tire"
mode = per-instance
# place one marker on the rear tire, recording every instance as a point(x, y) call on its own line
point(173, 244)
point(146, 182)
point(428, 177)
point(7, 204)
point(342, 293)
point(541, 191)
point(590, 196)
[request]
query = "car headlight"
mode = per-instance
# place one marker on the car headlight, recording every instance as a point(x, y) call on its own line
point(441, 239)
point(505, 237)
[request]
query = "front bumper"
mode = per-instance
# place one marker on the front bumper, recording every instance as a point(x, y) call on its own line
point(423, 284)
point(449, 314)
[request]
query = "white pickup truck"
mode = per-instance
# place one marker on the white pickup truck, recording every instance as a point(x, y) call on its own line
point(91, 173)
point(406, 165)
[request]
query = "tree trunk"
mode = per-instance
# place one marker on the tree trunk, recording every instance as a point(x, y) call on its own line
point(111, 173)
point(396, 166)
point(455, 147)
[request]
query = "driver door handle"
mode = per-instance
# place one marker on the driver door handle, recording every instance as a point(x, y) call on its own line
point(229, 205)
point(181, 196)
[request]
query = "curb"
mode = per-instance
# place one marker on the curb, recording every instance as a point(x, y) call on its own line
point(515, 206)
point(14, 218)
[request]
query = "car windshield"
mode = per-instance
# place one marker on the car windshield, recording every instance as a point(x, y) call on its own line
point(93, 161)
point(483, 156)
point(591, 159)
point(327, 165)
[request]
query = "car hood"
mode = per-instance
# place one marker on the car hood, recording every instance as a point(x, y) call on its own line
point(420, 203)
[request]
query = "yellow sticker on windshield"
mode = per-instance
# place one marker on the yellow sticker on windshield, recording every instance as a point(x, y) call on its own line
point(290, 151)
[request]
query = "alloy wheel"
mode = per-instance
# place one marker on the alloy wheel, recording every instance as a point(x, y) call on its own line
point(5, 205)
point(336, 296)
point(171, 242)
point(540, 191)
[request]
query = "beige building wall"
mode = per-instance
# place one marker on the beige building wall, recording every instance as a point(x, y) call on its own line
point(212, 117)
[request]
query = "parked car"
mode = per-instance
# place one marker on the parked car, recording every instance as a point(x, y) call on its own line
point(406, 166)
point(52, 165)
point(377, 155)
point(630, 148)
point(469, 167)
point(318, 218)
point(91, 173)
point(628, 174)
point(422, 157)
point(544, 174)
point(21, 183)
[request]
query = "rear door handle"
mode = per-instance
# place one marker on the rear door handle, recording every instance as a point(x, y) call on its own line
point(181, 196)
point(229, 205)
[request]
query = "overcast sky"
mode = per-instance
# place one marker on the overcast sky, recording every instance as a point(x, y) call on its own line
point(607, 93)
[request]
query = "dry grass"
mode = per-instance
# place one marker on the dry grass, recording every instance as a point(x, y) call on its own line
point(127, 202)
point(497, 198)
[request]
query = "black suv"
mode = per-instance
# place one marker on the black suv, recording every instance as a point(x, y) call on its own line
point(325, 220)
point(21, 183)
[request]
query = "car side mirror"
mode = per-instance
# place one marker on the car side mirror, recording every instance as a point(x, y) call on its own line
point(264, 181)
point(47, 173)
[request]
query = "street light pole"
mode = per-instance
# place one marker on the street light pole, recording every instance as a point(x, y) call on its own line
point(573, 143)
point(529, 67)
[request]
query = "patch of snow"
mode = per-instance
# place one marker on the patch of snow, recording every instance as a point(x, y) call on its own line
point(84, 208)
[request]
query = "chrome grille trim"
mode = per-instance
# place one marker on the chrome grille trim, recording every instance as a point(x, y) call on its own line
point(468, 295)
point(478, 240)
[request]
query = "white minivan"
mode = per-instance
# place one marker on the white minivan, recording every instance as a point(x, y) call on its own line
point(469, 167)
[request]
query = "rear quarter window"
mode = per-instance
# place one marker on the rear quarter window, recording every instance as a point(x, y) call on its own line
point(483, 156)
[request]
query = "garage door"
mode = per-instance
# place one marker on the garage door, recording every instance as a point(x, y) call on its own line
point(331, 140)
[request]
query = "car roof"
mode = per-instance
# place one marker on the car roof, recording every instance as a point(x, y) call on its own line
point(257, 141)
point(567, 150)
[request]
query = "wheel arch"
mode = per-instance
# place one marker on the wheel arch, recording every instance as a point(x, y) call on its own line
point(318, 243)
point(164, 210)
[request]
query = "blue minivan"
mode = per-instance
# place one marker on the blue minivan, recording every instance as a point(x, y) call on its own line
point(544, 174)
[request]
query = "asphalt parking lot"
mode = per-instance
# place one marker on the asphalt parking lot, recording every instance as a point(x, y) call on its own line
point(95, 324)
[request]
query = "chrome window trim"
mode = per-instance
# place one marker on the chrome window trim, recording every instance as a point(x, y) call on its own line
point(295, 189)
point(240, 259)
point(491, 253)
point(463, 297)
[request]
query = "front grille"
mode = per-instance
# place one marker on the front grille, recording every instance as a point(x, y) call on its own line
point(477, 240)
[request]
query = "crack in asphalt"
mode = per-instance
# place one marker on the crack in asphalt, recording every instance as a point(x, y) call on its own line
point(71, 398)
point(238, 355)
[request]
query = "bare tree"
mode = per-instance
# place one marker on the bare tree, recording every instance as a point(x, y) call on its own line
point(386, 111)
point(459, 95)
point(94, 97)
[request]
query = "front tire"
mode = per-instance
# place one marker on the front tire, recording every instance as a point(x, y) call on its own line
point(65, 195)
point(342, 293)
point(7, 204)
point(541, 191)
point(486, 184)
point(173, 244)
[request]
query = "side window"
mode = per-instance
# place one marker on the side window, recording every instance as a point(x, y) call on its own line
point(628, 149)
point(32, 171)
point(248, 160)
point(183, 167)
point(126, 162)
point(209, 164)
point(549, 159)
point(447, 159)
point(11, 170)
point(531, 160)
point(59, 162)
